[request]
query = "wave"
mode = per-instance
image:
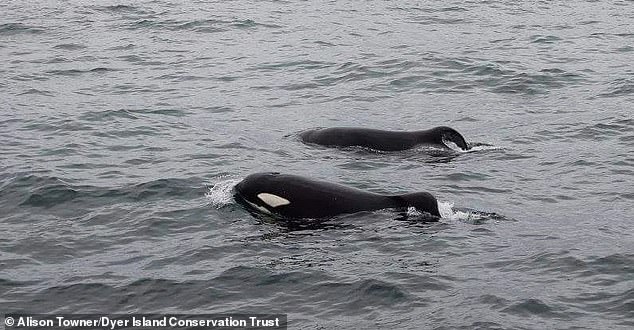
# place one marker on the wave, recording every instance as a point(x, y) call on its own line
point(203, 26)
point(47, 192)
point(618, 88)
point(607, 129)
point(33, 91)
point(234, 289)
point(432, 73)
point(19, 28)
point(69, 46)
point(75, 72)
point(115, 8)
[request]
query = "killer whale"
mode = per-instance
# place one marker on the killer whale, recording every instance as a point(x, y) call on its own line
point(297, 197)
point(382, 140)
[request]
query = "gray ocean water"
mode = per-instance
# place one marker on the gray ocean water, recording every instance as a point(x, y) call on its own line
point(124, 125)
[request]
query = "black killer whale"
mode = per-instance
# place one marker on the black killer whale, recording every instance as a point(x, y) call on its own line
point(296, 197)
point(383, 140)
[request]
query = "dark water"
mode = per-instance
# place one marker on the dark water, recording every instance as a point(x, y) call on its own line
point(124, 125)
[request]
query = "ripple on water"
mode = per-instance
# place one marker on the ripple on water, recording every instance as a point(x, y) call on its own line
point(464, 74)
point(34, 91)
point(201, 26)
point(619, 305)
point(75, 72)
point(47, 192)
point(70, 46)
point(606, 129)
point(19, 28)
point(564, 264)
point(533, 306)
point(118, 8)
point(235, 289)
point(619, 87)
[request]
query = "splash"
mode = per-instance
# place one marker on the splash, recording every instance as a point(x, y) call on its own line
point(476, 146)
point(473, 146)
point(221, 194)
point(447, 211)
point(451, 145)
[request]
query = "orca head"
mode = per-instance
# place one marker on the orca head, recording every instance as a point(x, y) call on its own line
point(252, 192)
point(422, 202)
point(449, 134)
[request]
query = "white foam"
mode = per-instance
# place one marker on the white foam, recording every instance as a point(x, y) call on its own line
point(451, 145)
point(413, 212)
point(473, 147)
point(480, 147)
point(447, 211)
point(221, 194)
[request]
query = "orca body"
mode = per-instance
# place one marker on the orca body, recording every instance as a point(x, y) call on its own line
point(292, 196)
point(383, 140)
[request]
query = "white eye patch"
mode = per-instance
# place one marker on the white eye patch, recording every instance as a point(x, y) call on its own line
point(273, 200)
